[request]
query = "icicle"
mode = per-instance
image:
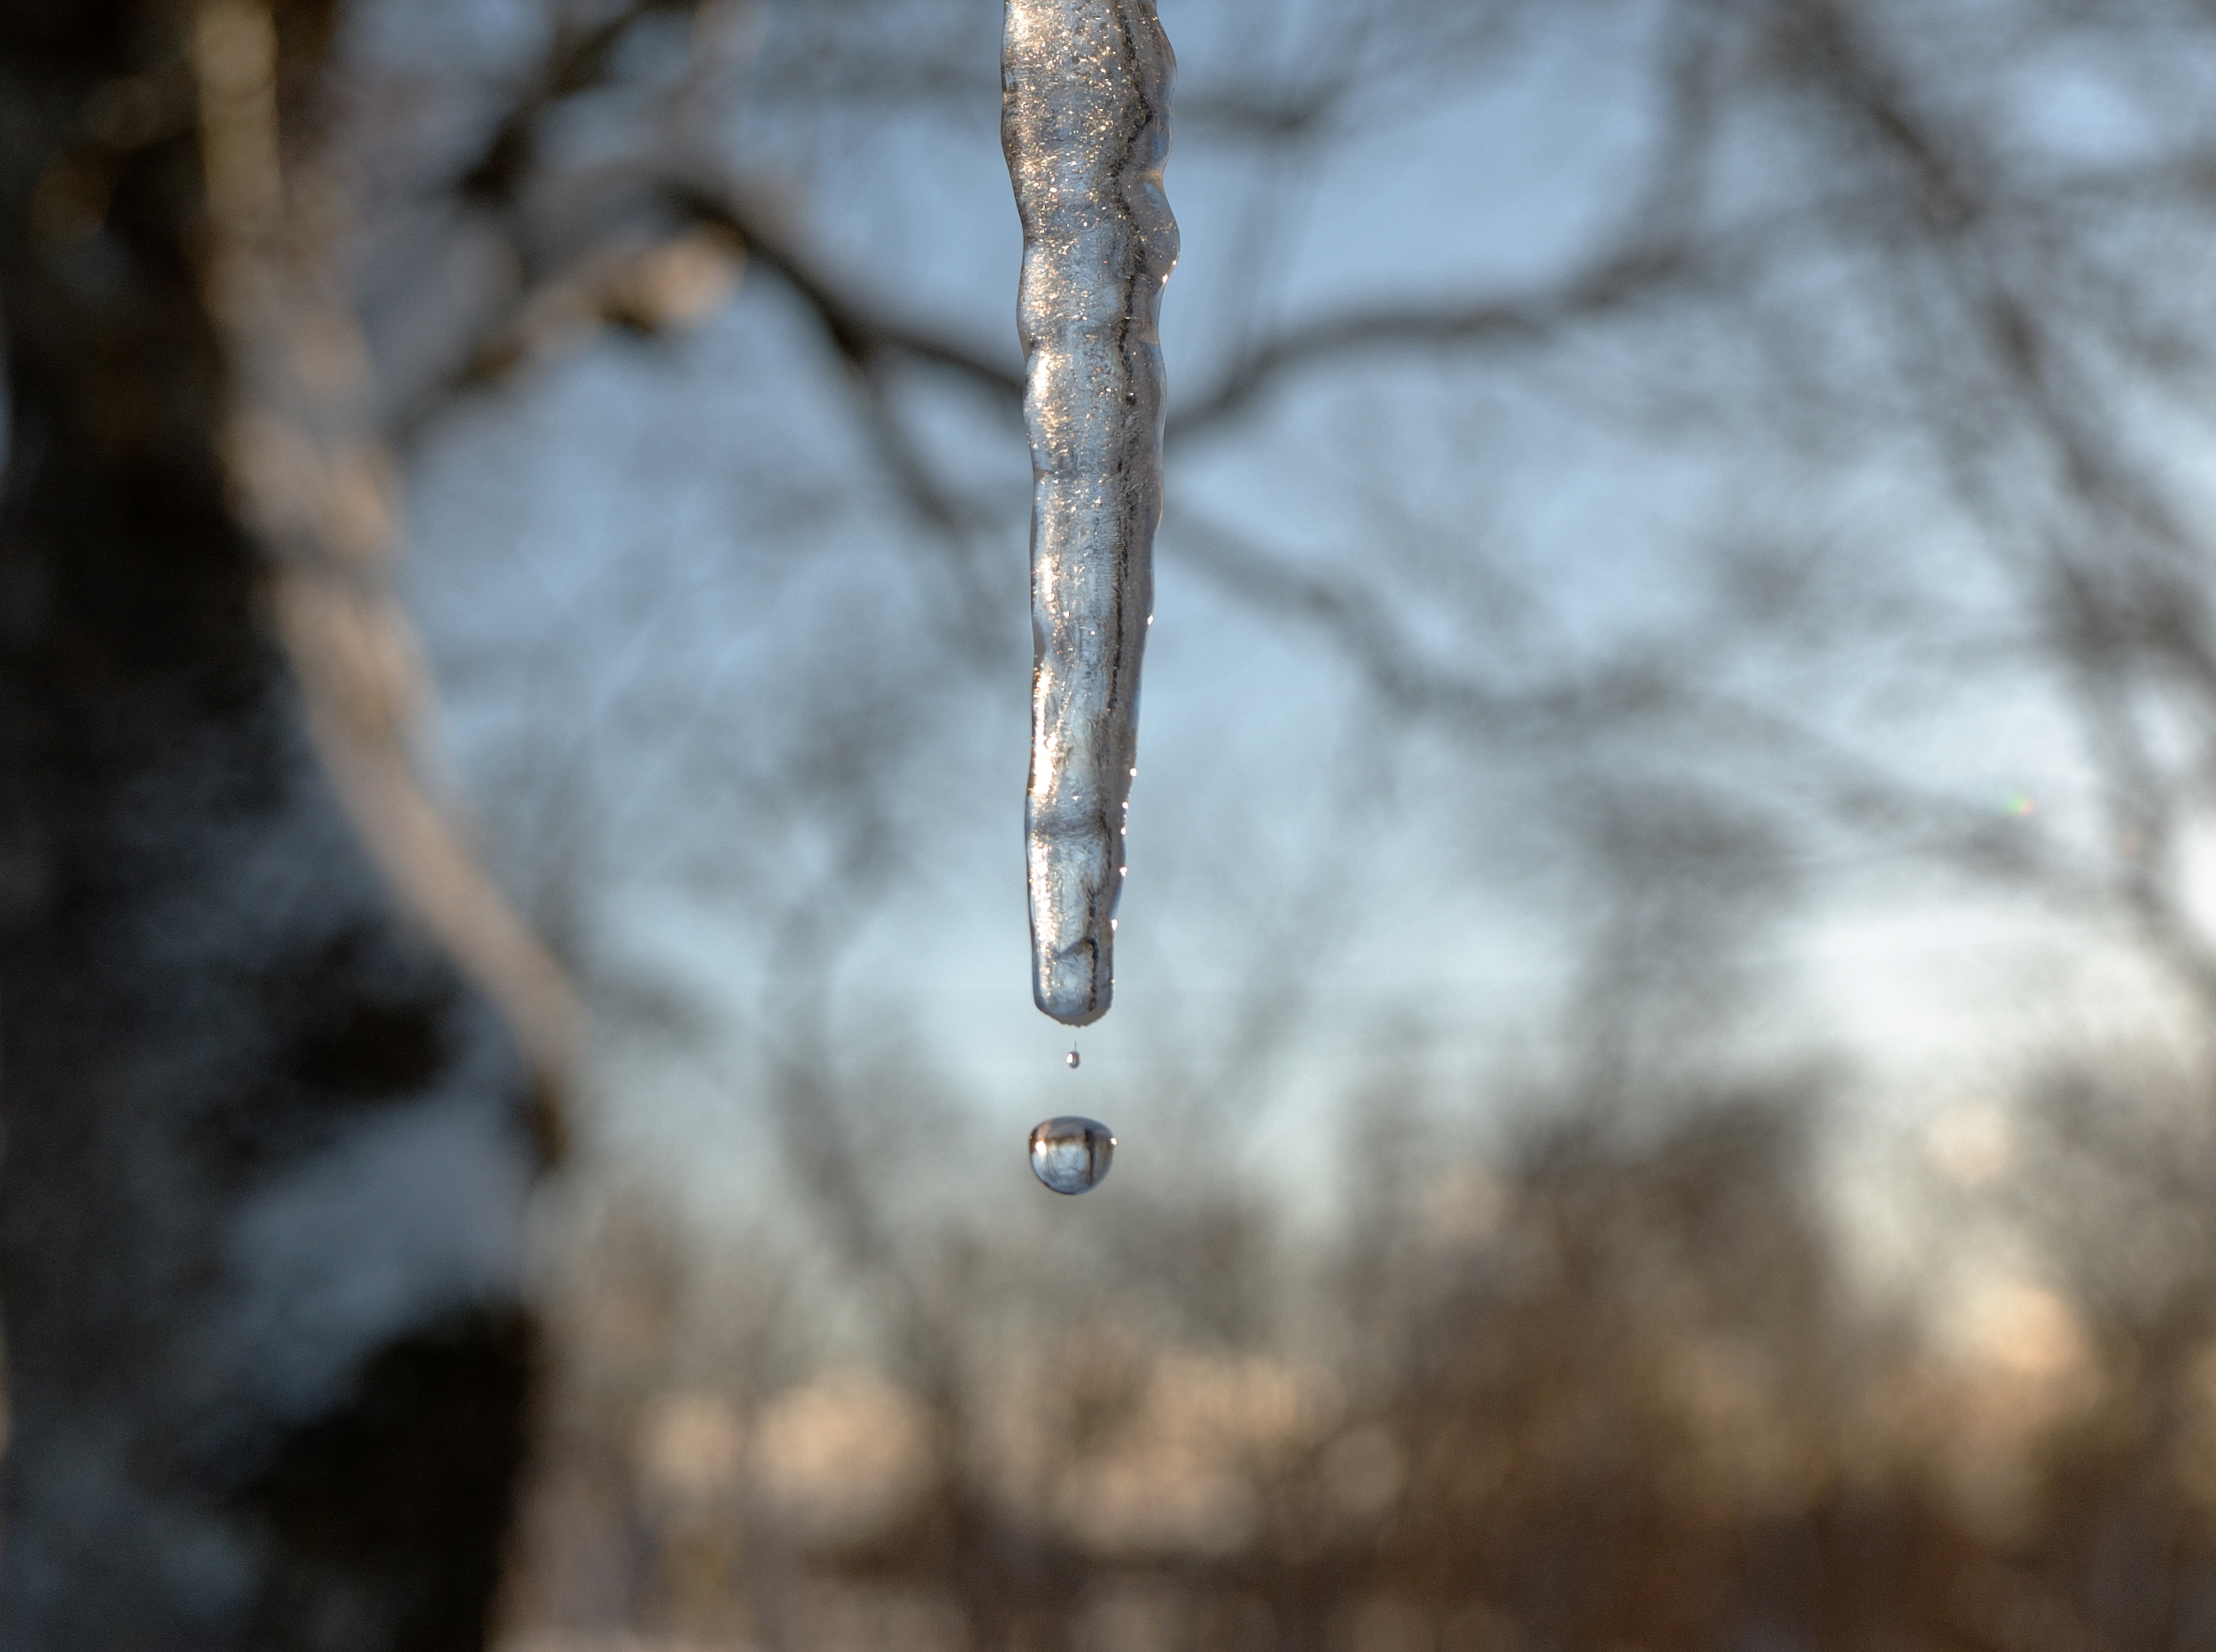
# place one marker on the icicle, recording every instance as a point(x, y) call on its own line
point(1085, 122)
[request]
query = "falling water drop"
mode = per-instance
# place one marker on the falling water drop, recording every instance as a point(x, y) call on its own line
point(1072, 1055)
point(1071, 1154)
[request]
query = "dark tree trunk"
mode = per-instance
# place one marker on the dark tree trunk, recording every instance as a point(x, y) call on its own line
point(266, 1148)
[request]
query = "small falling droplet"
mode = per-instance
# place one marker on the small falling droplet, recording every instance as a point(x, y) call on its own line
point(1072, 1055)
point(1071, 1155)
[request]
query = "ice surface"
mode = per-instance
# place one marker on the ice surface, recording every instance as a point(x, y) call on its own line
point(1085, 122)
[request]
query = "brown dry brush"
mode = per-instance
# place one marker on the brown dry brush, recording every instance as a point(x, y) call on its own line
point(1614, 1390)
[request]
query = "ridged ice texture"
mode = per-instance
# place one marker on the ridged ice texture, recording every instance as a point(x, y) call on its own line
point(1085, 122)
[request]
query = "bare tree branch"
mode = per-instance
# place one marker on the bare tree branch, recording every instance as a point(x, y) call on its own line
point(1615, 284)
point(578, 58)
point(860, 331)
point(1656, 688)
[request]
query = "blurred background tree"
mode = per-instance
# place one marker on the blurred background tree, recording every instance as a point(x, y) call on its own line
point(268, 1145)
point(1663, 1054)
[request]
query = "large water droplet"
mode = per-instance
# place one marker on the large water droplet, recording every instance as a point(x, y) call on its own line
point(1072, 1154)
point(1072, 1057)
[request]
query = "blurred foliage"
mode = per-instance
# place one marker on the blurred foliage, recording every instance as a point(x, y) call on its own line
point(1615, 1390)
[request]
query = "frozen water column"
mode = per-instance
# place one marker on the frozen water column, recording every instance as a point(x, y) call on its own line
point(1085, 122)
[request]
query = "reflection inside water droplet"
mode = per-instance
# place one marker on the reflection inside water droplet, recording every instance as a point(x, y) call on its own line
point(1070, 1154)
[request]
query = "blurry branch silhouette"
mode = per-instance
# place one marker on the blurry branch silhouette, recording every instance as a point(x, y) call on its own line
point(578, 56)
point(1617, 1399)
point(1651, 257)
point(1659, 693)
point(862, 332)
point(1983, 291)
point(667, 281)
point(1653, 253)
point(2115, 581)
point(1618, 281)
point(590, 283)
point(1657, 250)
point(1665, 254)
point(1604, 1387)
point(874, 344)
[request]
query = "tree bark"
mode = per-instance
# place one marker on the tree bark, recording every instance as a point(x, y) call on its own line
point(267, 1147)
